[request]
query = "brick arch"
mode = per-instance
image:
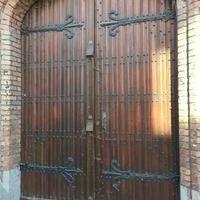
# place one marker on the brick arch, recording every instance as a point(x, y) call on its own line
point(12, 13)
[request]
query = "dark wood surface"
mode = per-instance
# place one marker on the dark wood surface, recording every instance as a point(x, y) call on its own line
point(129, 88)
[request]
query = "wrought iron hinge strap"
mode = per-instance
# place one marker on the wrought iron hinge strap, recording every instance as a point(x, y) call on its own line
point(115, 21)
point(69, 172)
point(66, 27)
point(115, 174)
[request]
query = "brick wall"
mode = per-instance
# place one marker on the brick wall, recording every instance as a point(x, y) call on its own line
point(11, 15)
point(188, 23)
point(194, 88)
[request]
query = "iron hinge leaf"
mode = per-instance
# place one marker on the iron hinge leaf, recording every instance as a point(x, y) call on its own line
point(69, 172)
point(115, 174)
point(67, 27)
point(115, 21)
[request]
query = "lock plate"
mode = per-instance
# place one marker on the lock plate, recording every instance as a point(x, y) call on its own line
point(90, 124)
point(90, 49)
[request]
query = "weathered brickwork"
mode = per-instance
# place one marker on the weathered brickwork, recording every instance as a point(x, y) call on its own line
point(11, 15)
point(183, 93)
point(188, 23)
point(194, 88)
point(188, 31)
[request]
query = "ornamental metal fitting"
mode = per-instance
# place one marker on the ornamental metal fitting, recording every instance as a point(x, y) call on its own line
point(115, 21)
point(67, 27)
point(115, 174)
point(69, 172)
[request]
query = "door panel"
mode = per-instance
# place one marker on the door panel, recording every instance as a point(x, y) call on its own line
point(102, 125)
point(56, 100)
point(135, 98)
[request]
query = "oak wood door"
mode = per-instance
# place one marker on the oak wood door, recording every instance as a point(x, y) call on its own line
point(57, 101)
point(99, 109)
point(136, 100)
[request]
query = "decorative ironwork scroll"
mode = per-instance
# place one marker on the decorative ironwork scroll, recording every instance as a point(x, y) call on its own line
point(67, 27)
point(115, 174)
point(69, 172)
point(115, 21)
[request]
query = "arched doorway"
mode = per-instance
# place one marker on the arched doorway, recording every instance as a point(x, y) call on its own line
point(99, 101)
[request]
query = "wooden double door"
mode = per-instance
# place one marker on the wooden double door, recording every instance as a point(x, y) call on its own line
point(99, 109)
